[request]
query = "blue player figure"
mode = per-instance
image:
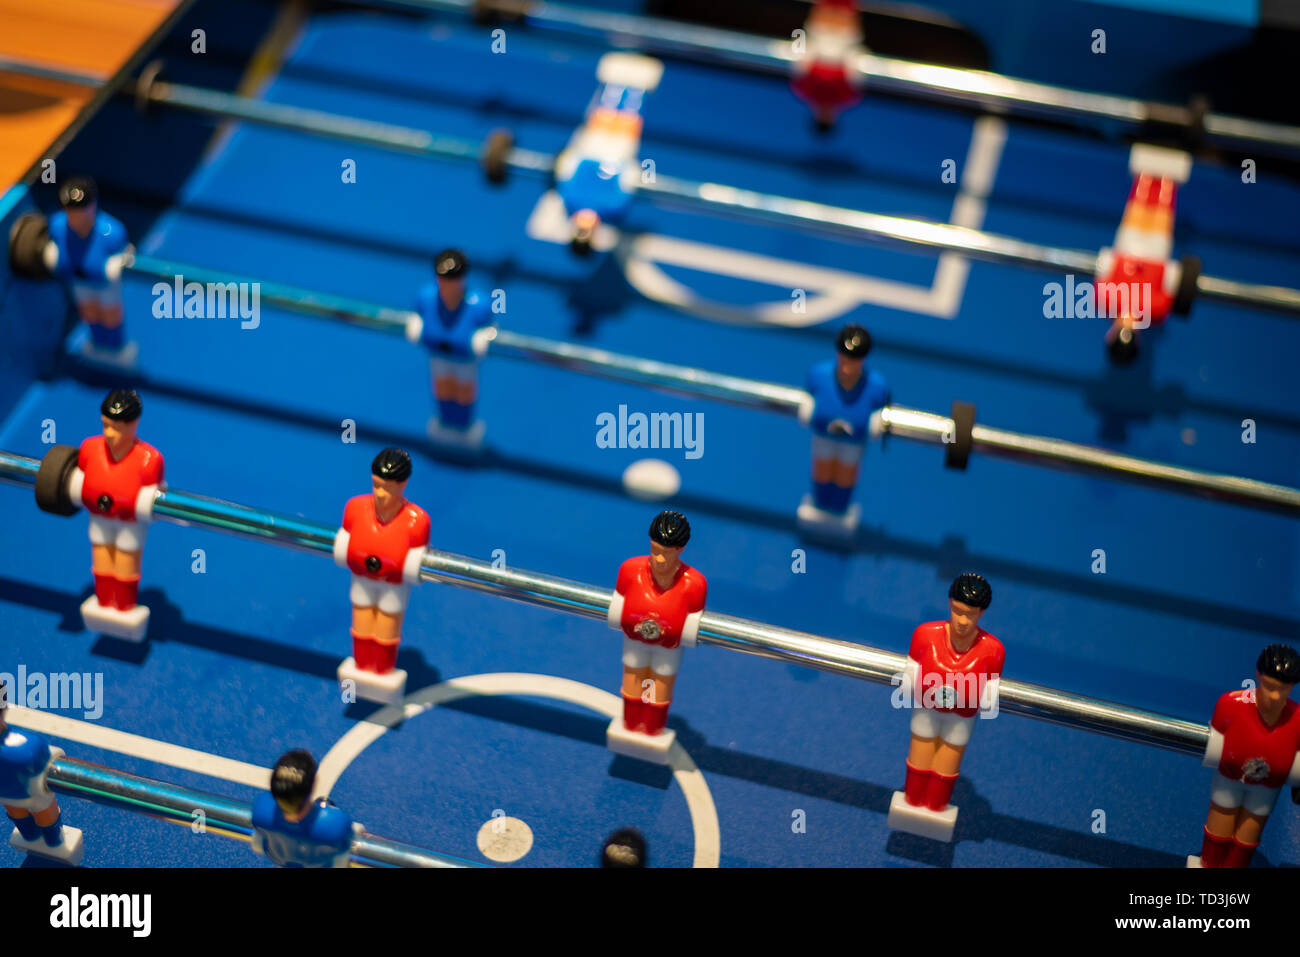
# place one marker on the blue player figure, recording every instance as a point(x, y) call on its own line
point(598, 172)
point(87, 250)
point(25, 760)
point(290, 828)
point(455, 325)
point(845, 399)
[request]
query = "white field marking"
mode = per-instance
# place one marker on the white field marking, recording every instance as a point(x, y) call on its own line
point(831, 292)
point(968, 208)
point(699, 800)
point(122, 742)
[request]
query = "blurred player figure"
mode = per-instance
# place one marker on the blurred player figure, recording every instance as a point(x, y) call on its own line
point(1254, 748)
point(1138, 283)
point(116, 479)
point(290, 828)
point(827, 77)
point(88, 249)
point(382, 541)
point(451, 324)
point(845, 400)
point(953, 671)
point(25, 761)
point(657, 604)
point(598, 172)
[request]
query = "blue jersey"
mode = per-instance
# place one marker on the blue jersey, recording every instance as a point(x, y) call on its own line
point(24, 756)
point(448, 332)
point(844, 415)
point(321, 839)
point(84, 260)
point(598, 187)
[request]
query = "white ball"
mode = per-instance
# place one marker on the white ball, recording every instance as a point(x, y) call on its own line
point(651, 480)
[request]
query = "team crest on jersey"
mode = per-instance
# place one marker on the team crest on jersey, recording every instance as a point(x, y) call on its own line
point(1256, 769)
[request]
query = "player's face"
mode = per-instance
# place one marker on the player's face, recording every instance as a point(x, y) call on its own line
point(848, 368)
point(388, 494)
point(82, 219)
point(451, 290)
point(1270, 697)
point(119, 435)
point(965, 618)
point(664, 561)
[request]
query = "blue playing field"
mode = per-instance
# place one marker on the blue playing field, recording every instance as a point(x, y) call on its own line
point(796, 767)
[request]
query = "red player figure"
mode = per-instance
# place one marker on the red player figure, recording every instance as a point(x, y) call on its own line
point(1254, 748)
point(953, 671)
point(657, 604)
point(116, 479)
point(382, 542)
point(1137, 283)
point(827, 77)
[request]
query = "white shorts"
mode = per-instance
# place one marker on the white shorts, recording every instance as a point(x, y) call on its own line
point(128, 536)
point(389, 598)
point(948, 725)
point(35, 804)
point(845, 453)
point(462, 370)
point(1230, 795)
point(104, 295)
point(660, 660)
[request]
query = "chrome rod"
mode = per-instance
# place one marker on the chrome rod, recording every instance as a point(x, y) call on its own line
point(142, 795)
point(767, 396)
point(738, 634)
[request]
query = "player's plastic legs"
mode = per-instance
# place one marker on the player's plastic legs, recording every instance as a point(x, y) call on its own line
point(655, 716)
point(126, 593)
point(633, 712)
point(1214, 849)
point(455, 415)
point(384, 655)
point(361, 645)
point(105, 590)
point(1239, 854)
point(940, 791)
point(26, 824)
point(916, 785)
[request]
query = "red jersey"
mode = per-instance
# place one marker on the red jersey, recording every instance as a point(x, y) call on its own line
point(1252, 751)
point(661, 615)
point(1133, 284)
point(948, 678)
point(378, 549)
point(110, 487)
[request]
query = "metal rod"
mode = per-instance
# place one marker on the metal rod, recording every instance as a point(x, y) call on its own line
point(147, 796)
point(991, 92)
point(745, 205)
point(738, 634)
point(767, 396)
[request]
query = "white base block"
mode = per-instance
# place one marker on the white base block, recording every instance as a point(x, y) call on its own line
point(69, 851)
point(637, 744)
point(1193, 860)
point(388, 688)
point(921, 821)
point(127, 625)
point(124, 358)
point(470, 439)
point(814, 519)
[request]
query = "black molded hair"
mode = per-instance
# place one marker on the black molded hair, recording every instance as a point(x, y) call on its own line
point(854, 341)
point(392, 464)
point(670, 529)
point(121, 405)
point(624, 848)
point(1281, 662)
point(450, 264)
point(971, 589)
point(292, 779)
point(77, 192)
